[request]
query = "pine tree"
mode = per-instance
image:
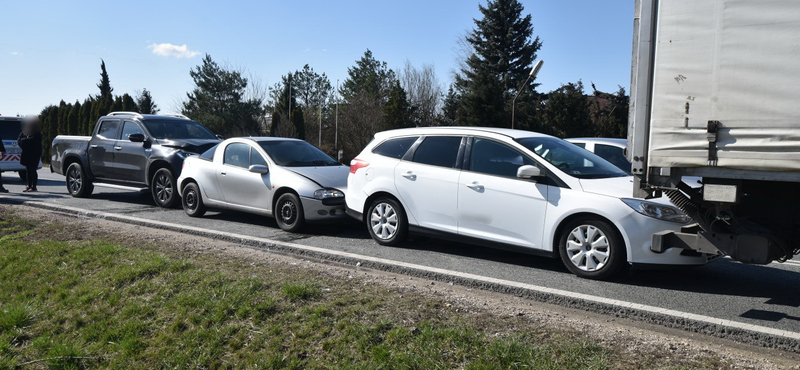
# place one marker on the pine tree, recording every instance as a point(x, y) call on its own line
point(398, 111)
point(128, 104)
point(566, 112)
point(298, 122)
point(145, 103)
point(62, 118)
point(85, 123)
point(117, 105)
point(449, 107)
point(105, 83)
point(503, 53)
point(72, 119)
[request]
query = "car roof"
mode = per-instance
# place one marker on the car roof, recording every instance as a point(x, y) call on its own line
point(622, 143)
point(461, 130)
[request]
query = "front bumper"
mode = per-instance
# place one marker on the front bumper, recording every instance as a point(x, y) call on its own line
point(316, 210)
point(639, 230)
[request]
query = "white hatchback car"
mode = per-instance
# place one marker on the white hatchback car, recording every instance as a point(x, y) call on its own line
point(509, 189)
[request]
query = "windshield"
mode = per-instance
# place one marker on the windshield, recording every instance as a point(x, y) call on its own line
point(295, 153)
point(177, 129)
point(573, 160)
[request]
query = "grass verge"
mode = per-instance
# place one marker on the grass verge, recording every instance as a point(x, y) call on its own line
point(104, 303)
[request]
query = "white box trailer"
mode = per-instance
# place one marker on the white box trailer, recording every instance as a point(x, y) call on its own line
point(715, 93)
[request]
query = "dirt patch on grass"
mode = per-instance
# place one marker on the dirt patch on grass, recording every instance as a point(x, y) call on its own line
point(409, 302)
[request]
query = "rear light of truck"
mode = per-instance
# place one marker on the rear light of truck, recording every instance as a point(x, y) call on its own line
point(356, 164)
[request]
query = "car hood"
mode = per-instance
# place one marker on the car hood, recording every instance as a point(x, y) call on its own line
point(325, 176)
point(618, 187)
point(190, 145)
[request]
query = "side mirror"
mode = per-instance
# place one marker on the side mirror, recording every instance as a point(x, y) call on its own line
point(258, 168)
point(220, 137)
point(529, 172)
point(136, 138)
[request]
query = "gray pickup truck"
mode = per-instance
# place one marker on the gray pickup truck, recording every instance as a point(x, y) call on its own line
point(130, 151)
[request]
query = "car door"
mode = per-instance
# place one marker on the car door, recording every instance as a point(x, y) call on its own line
point(130, 159)
point(428, 182)
point(101, 148)
point(493, 204)
point(240, 187)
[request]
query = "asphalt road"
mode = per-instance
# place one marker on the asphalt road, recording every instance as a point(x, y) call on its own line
point(768, 296)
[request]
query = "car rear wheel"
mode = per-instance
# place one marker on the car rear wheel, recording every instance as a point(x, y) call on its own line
point(78, 185)
point(289, 213)
point(592, 248)
point(163, 188)
point(192, 201)
point(387, 222)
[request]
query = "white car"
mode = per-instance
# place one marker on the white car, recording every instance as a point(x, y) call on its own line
point(10, 128)
point(613, 150)
point(289, 179)
point(509, 189)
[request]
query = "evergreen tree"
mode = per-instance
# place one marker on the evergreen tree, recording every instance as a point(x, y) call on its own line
point(449, 108)
point(504, 50)
point(219, 101)
point(398, 111)
point(85, 123)
point(128, 104)
point(299, 123)
point(283, 103)
point(72, 120)
point(565, 113)
point(62, 118)
point(368, 76)
point(105, 83)
point(117, 105)
point(49, 119)
point(145, 103)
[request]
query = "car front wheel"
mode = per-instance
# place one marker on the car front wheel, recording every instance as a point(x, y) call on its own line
point(289, 213)
point(77, 184)
point(192, 201)
point(592, 248)
point(163, 188)
point(387, 222)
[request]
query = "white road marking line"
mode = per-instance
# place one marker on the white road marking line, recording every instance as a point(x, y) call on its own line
point(477, 278)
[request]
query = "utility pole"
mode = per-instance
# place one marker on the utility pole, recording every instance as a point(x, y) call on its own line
point(534, 72)
point(336, 131)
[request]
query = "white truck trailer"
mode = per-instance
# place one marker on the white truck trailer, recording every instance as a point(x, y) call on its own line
point(715, 93)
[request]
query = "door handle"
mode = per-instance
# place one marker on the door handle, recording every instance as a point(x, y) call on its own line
point(223, 173)
point(93, 146)
point(117, 148)
point(410, 175)
point(475, 185)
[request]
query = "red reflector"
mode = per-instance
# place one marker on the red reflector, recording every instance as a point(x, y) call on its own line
point(356, 164)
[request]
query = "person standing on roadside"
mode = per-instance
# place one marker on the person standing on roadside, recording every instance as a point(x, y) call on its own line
point(2, 153)
point(30, 141)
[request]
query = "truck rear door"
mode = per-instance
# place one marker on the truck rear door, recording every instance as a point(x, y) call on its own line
point(101, 148)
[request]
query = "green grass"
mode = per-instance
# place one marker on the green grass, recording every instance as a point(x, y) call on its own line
point(109, 304)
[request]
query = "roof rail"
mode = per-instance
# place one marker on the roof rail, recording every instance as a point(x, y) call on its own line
point(121, 113)
point(177, 115)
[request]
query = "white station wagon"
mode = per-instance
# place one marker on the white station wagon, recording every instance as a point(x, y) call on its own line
point(509, 189)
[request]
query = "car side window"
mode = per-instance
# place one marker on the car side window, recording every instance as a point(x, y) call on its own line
point(109, 130)
point(493, 158)
point(256, 158)
point(614, 155)
point(237, 154)
point(439, 151)
point(129, 128)
point(395, 148)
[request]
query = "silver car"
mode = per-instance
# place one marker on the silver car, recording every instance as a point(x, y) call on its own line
point(289, 179)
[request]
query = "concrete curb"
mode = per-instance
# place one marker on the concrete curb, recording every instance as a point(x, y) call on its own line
point(727, 329)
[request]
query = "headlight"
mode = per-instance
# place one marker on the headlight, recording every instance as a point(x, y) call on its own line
point(328, 194)
point(657, 210)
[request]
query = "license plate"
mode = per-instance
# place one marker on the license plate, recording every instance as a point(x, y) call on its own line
point(719, 193)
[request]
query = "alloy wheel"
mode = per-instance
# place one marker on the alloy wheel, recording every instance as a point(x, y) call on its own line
point(163, 188)
point(588, 248)
point(384, 221)
point(74, 180)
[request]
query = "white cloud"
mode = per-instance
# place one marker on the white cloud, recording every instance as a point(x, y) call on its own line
point(170, 50)
point(16, 53)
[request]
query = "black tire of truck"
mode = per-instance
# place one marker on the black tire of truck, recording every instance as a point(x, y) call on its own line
point(78, 185)
point(163, 188)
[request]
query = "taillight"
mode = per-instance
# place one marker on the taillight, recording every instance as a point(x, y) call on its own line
point(356, 164)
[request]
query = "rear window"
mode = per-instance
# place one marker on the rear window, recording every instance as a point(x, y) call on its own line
point(439, 151)
point(9, 130)
point(395, 148)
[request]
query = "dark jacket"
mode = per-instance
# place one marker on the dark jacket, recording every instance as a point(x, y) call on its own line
point(31, 146)
point(2, 147)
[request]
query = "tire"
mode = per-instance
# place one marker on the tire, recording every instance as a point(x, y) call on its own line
point(387, 222)
point(23, 175)
point(78, 184)
point(193, 201)
point(289, 213)
point(592, 249)
point(163, 189)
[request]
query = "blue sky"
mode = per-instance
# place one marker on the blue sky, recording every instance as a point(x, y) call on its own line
point(51, 50)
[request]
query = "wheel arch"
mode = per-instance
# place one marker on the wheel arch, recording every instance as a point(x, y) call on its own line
point(69, 160)
point(561, 225)
point(156, 165)
point(280, 191)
